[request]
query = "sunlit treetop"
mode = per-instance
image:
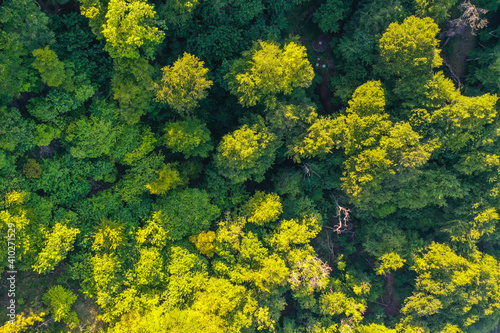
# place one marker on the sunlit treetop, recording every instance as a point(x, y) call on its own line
point(268, 70)
point(127, 29)
point(410, 48)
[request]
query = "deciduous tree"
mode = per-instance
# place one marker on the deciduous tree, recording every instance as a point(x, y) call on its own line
point(267, 70)
point(128, 29)
point(183, 84)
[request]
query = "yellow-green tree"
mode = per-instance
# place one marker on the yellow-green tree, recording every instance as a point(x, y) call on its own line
point(128, 29)
point(246, 153)
point(263, 208)
point(58, 243)
point(410, 49)
point(268, 70)
point(60, 300)
point(190, 137)
point(184, 84)
point(452, 290)
point(51, 68)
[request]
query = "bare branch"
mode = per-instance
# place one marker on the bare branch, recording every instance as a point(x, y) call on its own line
point(342, 216)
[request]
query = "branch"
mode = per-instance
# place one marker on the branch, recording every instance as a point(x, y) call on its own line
point(454, 76)
point(343, 217)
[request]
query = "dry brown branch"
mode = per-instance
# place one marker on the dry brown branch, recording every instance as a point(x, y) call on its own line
point(342, 216)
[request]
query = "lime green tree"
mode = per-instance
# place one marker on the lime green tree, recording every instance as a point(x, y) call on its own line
point(168, 179)
point(23, 28)
point(132, 85)
point(246, 153)
point(60, 300)
point(435, 9)
point(262, 208)
point(57, 245)
point(190, 137)
point(50, 67)
point(92, 137)
point(128, 29)
point(183, 84)
point(452, 290)
point(267, 70)
point(410, 49)
point(185, 213)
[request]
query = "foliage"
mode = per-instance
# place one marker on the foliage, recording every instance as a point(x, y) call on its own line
point(204, 242)
point(409, 49)
point(16, 132)
point(262, 208)
point(267, 70)
point(180, 218)
point(168, 178)
point(132, 86)
point(57, 245)
point(246, 153)
point(390, 262)
point(330, 13)
point(180, 164)
point(127, 30)
point(60, 301)
point(91, 137)
point(183, 84)
point(32, 169)
point(437, 10)
point(50, 68)
point(455, 290)
point(190, 137)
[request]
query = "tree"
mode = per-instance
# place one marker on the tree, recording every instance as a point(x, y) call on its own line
point(23, 28)
point(266, 71)
point(390, 262)
point(32, 169)
point(92, 137)
point(168, 178)
point(149, 269)
point(328, 15)
point(409, 49)
point(132, 85)
point(262, 208)
point(246, 153)
point(60, 301)
point(435, 9)
point(27, 23)
point(109, 236)
point(127, 29)
point(51, 107)
point(190, 137)
point(459, 121)
point(95, 11)
point(104, 278)
point(28, 235)
point(147, 141)
point(16, 132)
point(44, 134)
point(184, 84)
point(178, 12)
point(319, 139)
point(144, 171)
point(454, 290)
point(50, 67)
point(185, 213)
point(57, 245)
point(188, 274)
point(204, 242)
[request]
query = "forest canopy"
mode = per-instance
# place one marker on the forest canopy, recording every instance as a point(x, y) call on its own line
point(239, 166)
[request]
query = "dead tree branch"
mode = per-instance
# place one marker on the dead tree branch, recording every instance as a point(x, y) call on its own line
point(342, 216)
